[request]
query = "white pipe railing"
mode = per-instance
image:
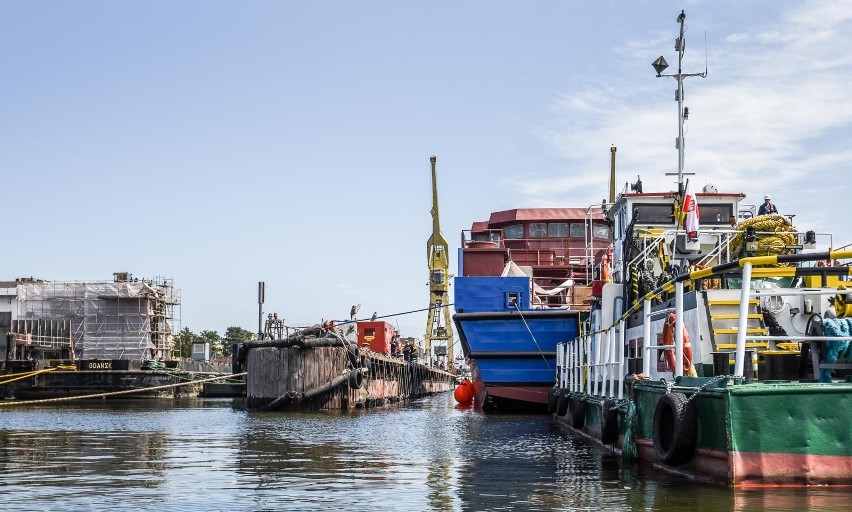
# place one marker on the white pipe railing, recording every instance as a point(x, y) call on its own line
point(678, 334)
point(739, 358)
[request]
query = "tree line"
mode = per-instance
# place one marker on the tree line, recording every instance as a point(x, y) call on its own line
point(219, 345)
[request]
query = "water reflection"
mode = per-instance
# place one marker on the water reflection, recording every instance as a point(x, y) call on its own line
point(428, 455)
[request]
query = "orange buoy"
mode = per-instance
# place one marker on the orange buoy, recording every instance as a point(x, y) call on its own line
point(464, 392)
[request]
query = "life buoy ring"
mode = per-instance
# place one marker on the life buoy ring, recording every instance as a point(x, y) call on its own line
point(609, 422)
point(675, 429)
point(606, 261)
point(668, 339)
point(577, 411)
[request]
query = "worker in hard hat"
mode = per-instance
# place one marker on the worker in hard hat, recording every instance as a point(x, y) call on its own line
point(767, 207)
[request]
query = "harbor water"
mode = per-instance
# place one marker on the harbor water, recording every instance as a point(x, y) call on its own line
point(211, 454)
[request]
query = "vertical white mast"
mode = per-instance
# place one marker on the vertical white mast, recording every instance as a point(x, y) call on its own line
point(682, 112)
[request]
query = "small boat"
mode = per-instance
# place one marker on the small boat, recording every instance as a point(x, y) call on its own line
point(720, 349)
point(524, 278)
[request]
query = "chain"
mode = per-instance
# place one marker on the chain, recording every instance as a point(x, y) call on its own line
point(707, 384)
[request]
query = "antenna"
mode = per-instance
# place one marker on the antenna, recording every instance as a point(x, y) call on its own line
point(659, 66)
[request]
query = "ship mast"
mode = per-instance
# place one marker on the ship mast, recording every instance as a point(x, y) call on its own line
point(683, 112)
point(437, 251)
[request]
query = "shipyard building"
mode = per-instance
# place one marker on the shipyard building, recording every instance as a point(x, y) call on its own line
point(123, 318)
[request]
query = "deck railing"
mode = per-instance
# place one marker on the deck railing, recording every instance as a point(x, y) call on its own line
point(595, 363)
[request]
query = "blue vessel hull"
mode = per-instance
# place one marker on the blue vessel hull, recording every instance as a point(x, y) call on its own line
point(511, 347)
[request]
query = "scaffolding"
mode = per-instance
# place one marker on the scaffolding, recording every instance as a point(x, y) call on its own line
point(121, 319)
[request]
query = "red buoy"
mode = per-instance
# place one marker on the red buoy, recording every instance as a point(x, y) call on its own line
point(464, 392)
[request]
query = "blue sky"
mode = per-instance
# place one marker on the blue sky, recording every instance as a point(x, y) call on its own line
point(223, 143)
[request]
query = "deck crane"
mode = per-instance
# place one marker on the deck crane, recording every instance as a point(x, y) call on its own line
point(438, 332)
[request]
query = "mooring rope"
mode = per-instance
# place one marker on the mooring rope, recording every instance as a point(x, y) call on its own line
point(116, 393)
point(24, 375)
point(546, 362)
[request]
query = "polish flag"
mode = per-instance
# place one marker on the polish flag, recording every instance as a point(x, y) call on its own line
point(690, 208)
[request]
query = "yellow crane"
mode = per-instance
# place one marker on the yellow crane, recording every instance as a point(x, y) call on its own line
point(439, 285)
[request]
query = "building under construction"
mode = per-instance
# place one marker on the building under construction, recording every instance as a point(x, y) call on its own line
point(125, 318)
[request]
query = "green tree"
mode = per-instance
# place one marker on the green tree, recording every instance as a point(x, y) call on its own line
point(182, 343)
point(233, 335)
point(215, 341)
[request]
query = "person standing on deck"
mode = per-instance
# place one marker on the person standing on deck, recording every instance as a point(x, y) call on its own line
point(767, 207)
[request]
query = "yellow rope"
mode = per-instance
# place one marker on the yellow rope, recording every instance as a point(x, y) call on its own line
point(116, 393)
point(24, 375)
point(773, 232)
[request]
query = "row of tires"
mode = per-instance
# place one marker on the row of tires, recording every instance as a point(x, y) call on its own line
point(675, 430)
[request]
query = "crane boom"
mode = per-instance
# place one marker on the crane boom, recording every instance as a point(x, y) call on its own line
point(437, 251)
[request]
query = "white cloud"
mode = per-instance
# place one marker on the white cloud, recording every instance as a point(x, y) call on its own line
point(774, 116)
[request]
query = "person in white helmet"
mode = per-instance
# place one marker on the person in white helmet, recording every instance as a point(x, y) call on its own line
point(767, 207)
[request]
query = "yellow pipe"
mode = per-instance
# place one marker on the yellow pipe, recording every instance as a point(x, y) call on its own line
point(773, 272)
point(760, 260)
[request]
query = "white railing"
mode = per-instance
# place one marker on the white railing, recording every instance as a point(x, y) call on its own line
point(595, 363)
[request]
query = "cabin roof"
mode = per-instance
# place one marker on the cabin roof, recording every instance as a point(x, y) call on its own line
point(699, 195)
point(543, 214)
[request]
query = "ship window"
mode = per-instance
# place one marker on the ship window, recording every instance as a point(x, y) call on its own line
point(716, 213)
point(577, 231)
point(601, 231)
point(480, 237)
point(654, 213)
point(538, 230)
point(513, 299)
point(557, 229)
point(513, 232)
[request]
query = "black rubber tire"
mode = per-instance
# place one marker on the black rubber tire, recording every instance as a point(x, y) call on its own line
point(675, 429)
point(577, 412)
point(562, 404)
point(552, 398)
point(356, 379)
point(609, 422)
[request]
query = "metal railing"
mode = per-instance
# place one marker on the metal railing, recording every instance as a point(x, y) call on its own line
point(589, 363)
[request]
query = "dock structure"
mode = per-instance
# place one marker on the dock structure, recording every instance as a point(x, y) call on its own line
point(319, 369)
point(125, 318)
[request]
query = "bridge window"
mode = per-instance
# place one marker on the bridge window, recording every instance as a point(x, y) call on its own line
point(538, 230)
point(513, 232)
point(577, 230)
point(557, 229)
point(655, 213)
point(716, 213)
point(601, 231)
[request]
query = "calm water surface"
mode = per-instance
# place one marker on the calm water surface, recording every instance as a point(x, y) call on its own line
point(428, 455)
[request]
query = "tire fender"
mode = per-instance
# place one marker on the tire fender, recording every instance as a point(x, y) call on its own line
point(609, 422)
point(675, 429)
point(577, 411)
point(562, 404)
point(356, 378)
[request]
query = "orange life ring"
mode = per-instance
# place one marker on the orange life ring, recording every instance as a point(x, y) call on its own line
point(668, 339)
point(606, 261)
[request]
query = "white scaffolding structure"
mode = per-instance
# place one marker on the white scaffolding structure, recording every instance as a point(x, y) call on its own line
point(121, 319)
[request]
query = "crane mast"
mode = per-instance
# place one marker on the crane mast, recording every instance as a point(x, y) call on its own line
point(439, 330)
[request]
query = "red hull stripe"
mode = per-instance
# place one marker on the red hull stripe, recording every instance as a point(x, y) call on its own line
point(532, 394)
point(753, 469)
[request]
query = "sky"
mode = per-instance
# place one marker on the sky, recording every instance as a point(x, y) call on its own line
point(224, 143)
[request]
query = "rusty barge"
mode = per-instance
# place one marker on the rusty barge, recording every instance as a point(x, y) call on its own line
point(329, 367)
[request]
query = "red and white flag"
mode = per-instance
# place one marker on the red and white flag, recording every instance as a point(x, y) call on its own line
point(690, 209)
